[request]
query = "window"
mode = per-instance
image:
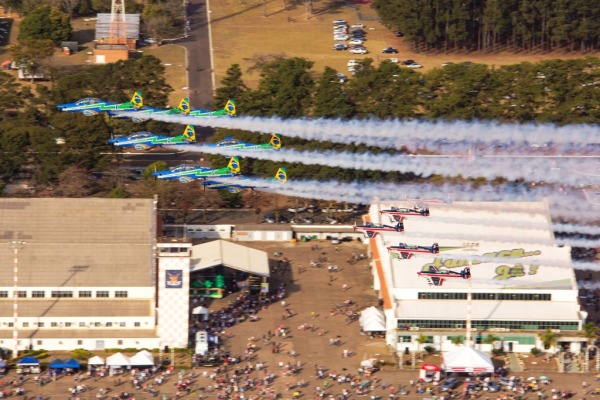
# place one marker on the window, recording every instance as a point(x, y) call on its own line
point(79, 342)
point(38, 293)
point(40, 324)
point(25, 324)
point(10, 324)
point(108, 324)
point(82, 324)
point(68, 324)
point(102, 293)
point(119, 342)
point(122, 324)
point(62, 293)
point(485, 296)
point(85, 293)
point(3, 293)
point(136, 324)
point(97, 324)
point(39, 342)
point(488, 324)
point(54, 324)
point(22, 293)
point(120, 293)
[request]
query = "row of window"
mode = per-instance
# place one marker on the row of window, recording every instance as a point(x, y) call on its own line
point(478, 339)
point(41, 342)
point(121, 324)
point(66, 293)
point(485, 296)
point(487, 324)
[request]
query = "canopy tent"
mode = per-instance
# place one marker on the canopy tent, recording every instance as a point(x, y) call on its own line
point(72, 363)
point(467, 359)
point(57, 364)
point(28, 361)
point(96, 360)
point(118, 360)
point(372, 320)
point(203, 311)
point(142, 359)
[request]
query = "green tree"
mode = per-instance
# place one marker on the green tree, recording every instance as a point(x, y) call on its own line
point(548, 338)
point(162, 20)
point(458, 340)
point(31, 53)
point(232, 87)
point(330, 97)
point(421, 340)
point(46, 23)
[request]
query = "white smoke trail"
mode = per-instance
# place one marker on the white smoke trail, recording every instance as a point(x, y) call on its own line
point(536, 169)
point(395, 133)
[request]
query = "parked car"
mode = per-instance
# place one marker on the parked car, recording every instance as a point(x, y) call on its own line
point(296, 209)
point(399, 34)
point(355, 42)
point(358, 50)
point(340, 46)
point(342, 79)
point(350, 62)
point(341, 37)
point(394, 60)
point(357, 31)
point(408, 62)
point(359, 26)
point(414, 66)
point(389, 50)
point(339, 22)
point(449, 384)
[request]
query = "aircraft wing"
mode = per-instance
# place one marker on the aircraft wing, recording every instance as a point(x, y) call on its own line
point(435, 281)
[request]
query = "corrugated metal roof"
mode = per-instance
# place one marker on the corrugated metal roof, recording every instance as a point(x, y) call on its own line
point(222, 252)
point(488, 310)
point(78, 242)
point(132, 22)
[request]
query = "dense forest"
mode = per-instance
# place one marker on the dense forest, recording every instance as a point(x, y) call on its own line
point(58, 151)
point(495, 25)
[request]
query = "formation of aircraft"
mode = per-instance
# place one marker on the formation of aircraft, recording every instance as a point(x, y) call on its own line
point(237, 183)
point(436, 276)
point(401, 212)
point(93, 106)
point(187, 172)
point(406, 251)
point(147, 140)
point(183, 108)
point(231, 143)
point(371, 230)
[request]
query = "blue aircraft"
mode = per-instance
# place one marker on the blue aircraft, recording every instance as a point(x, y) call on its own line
point(93, 106)
point(237, 183)
point(235, 144)
point(147, 140)
point(187, 173)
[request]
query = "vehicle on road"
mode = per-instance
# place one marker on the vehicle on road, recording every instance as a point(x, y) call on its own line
point(390, 50)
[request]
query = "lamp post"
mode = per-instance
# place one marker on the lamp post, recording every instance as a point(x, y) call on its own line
point(16, 245)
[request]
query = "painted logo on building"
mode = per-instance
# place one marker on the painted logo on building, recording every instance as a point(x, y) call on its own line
point(174, 279)
point(503, 272)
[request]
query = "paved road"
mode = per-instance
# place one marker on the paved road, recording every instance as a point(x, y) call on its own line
point(199, 55)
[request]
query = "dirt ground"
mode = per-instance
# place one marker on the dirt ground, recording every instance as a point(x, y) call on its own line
point(313, 294)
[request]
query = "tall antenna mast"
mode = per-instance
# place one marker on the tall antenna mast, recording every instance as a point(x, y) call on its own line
point(118, 24)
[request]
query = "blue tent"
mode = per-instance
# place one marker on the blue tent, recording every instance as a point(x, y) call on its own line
point(71, 363)
point(28, 361)
point(57, 364)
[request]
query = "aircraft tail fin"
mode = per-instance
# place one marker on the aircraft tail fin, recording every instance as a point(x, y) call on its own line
point(137, 99)
point(281, 175)
point(275, 141)
point(189, 133)
point(230, 107)
point(184, 105)
point(234, 164)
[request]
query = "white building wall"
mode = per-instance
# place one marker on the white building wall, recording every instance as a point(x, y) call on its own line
point(91, 344)
point(173, 300)
point(246, 236)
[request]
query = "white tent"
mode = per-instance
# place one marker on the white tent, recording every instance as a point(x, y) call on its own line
point(118, 360)
point(142, 359)
point(467, 359)
point(96, 360)
point(372, 320)
point(201, 311)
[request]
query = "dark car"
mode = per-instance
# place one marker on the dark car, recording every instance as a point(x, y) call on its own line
point(357, 31)
point(449, 384)
point(389, 50)
point(409, 62)
point(399, 34)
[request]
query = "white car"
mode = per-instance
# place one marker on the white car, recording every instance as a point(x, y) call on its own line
point(414, 66)
point(358, 50)
point(394, 60)
point(341, 37)
point(359, 26)
point(355, 42)
point(351, 62)
point(339, 22)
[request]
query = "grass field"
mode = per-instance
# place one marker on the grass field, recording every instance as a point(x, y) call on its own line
point(242, 34)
